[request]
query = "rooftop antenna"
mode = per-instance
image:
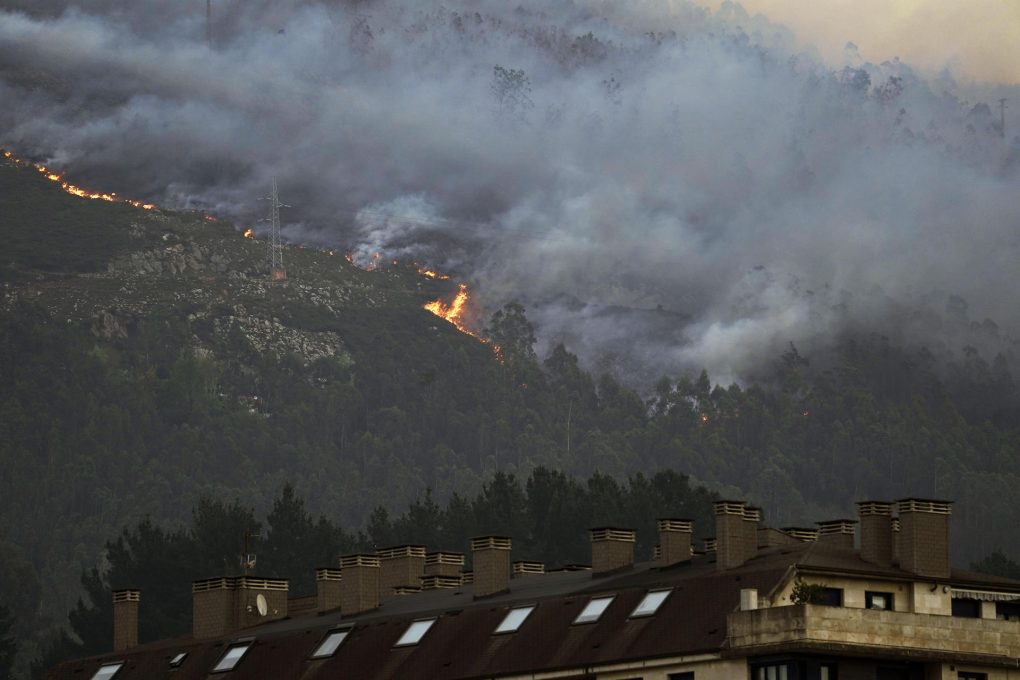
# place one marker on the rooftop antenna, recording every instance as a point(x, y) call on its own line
point(247, 557)
point(1002, 114)
point(276, 269)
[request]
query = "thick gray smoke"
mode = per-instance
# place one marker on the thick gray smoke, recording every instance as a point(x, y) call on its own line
point(664, 188)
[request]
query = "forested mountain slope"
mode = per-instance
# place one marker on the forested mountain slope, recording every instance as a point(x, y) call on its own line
point(148, 363)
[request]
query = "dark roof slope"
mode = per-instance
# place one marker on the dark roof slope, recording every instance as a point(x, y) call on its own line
point(462, 644)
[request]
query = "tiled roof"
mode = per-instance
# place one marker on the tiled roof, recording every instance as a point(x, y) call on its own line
point(461, 644)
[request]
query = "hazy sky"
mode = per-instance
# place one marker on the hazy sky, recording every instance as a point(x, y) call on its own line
point(979, 38)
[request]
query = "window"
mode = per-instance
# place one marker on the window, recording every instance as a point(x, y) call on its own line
point(686, 675)
point(178, 659)
point(967, 675)
point(875, 600)
point(776, 671)
point(330, 643)
point(415, 632)
point(232, 657)
point(827, 671)
point(651, 603)
point(594, 610)
point(829, 597)
point(107, 671)
point(1007, 611)
point(968, 609)
point(514, 618)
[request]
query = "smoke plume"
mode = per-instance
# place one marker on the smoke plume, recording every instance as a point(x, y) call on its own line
point(665, 188)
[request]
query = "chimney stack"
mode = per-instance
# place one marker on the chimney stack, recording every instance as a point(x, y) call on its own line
point(444, 564)
point(896, 540)
point(752, 520)
point(438, 581)
point(612, 549)
point(359, 587)
point(876, 532)
point(125, 619)
point(802, 534)
point(730, 535)
point(227, 603)
point(490, 556)
point(400, 567)
point(674, 541)
point(924, 536)
point(838, 532)
point(328, 591)
point(526, 568)
point(710, 545)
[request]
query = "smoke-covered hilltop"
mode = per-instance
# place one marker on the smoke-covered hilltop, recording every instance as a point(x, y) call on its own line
point(663, 187)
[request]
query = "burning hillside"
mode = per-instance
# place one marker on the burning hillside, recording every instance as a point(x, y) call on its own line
point(75, 190)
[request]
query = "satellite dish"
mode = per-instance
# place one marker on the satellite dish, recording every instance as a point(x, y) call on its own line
point(261, 604)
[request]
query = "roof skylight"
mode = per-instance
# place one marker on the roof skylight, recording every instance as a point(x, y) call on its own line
point(514, 618)
point(415, 632)
point(107, 671)
point(330, 643)
point(651, 603)
point(232, 657)
point(593, 611)
point(178, 659)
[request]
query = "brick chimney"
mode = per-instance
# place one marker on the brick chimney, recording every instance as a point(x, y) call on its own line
point(359, 588)
point(225, 604)
point(674, 541)
point(444, 564)
point(526, 568)
point(710, 545)
point(752, 520)
point(838, 532)
point(439, 581)
point(612, 549)
point(730, 540)
point(400, 567)
point(876, 532)
point(924, 536)
point(802, 534)
point(327, 589)
point(125, 619)
point(490, 556)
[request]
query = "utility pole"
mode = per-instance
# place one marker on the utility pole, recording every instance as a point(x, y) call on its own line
point(1002, 117)
point(276, 269)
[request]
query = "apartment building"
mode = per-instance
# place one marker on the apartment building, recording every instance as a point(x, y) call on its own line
point(872, 597)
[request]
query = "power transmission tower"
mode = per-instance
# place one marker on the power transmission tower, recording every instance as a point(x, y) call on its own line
point(1002, 120)
point(276, 269)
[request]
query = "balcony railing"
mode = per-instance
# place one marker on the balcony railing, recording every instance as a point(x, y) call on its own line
point(882, 634)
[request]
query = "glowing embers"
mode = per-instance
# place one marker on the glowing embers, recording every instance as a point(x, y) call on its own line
point(651, 603)
point(415, 632)
point(595, 608)
point(108, 671)
point(330, 643)
point(514, 619)
point(232, 657)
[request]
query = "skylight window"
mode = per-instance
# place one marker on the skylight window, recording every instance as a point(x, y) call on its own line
point(514, 618)
point(651, 603)
point(415, 632)
point(330, 643)
point(107, 671)
point(232, 657)
point(595, 608)
point(178, 659)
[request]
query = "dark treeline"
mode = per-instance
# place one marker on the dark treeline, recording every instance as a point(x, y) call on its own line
point(546, 515)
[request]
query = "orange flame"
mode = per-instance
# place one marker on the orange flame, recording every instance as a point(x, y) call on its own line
point(248, 233)
point(76, 190)
point(454, 310)
point(432, 274)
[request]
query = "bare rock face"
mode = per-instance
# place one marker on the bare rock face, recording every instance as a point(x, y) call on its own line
point(108, 326)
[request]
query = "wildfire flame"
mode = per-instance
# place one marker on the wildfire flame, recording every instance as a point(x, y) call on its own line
point(76, 190)
point(248, 233)
point(453, 311)
point(432, 275)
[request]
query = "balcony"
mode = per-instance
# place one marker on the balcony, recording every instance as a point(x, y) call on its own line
point(879, 634)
